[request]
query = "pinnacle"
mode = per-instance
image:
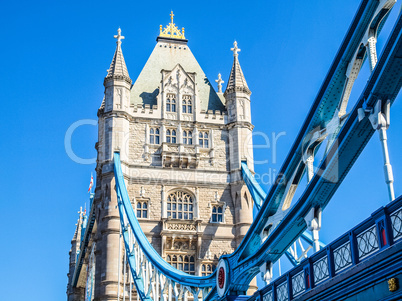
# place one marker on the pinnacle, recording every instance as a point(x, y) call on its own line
point(236, 81)
point(118, 68)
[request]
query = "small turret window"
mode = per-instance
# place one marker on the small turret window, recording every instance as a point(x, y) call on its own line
point(154, 136)
point(171, 136)
point(203, 139)
point(187, 104)
point(171, 103)
point(187, 137)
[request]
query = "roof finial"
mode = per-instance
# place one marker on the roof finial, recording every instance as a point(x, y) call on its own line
point(119, 37)
point(171, 30)
point(171, 16)
point(235, 49)
point(219, 81)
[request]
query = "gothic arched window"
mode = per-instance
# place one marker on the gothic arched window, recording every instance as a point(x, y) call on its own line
point(171, 103)
point(154, 136)
point(187, 104)
point(184, 106)
point(207, 269)
point(187, 137)
point(203, 139)
point(182, 262)
point(142, 209)
point(180, 205)
point(171, 136)
point(217, 214)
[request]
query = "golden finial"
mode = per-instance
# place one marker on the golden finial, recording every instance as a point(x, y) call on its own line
point(171, 30)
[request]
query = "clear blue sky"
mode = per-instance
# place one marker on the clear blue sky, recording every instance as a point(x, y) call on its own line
point(54, 58)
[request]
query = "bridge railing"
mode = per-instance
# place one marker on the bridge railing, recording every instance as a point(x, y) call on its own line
point(381, 230)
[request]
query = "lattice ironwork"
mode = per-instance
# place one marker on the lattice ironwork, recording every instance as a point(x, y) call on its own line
point(320, 269)
point(298, 283)
point(342, 257)
point(282, 292)
point(268, 297)
point(396, 221)
point(367, 242)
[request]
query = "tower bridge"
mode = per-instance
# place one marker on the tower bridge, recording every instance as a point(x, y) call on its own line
point(171, 216)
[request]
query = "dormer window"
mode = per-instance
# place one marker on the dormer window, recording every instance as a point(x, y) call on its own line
point(171, 103)
point(171, 136)
point(187, 104)
point(187, 137)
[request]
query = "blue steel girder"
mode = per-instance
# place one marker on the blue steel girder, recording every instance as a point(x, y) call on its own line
point(259, 195)
point(150, 266)
point(320, 114)
point(384, 83)
point(85, 239)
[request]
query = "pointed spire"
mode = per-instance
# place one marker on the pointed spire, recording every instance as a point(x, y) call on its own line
point(236, 81)
point(118, 68)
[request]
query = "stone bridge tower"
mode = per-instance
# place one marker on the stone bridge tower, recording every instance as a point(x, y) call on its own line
point(181, 145)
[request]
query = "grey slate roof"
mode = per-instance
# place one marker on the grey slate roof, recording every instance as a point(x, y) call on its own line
point(165, 56)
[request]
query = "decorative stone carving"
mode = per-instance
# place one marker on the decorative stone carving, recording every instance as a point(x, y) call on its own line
point(185, 227)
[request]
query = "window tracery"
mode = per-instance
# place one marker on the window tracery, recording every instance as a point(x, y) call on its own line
point(154, 136)
point(187, 106)
point(185, 263)
point(171, 103)
point(142, 209)
point(207, 269)
point(171, 136)
point(187, 137)
point(203, 139)
point(180, 205)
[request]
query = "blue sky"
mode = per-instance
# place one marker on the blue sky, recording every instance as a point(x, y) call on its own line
point(54, 58)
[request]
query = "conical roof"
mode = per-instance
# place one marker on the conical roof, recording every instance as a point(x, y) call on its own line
point(236, 81)
point(118, 68)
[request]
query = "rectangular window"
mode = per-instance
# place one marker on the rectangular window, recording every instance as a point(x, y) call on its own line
point(154, 134)
point(185, 263)
point(187, 137)
point(142, 209)
point(217, 214)
point(207, 269)
point(171, 103)
point(171, 136)
point(187, 106)
point(203, 139)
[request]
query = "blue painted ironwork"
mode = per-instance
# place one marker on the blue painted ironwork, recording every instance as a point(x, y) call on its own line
point(156, 263)
point(84, 242)
point(351, 135)
point(259, 195)
point(323, 260)
point(385, 82)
